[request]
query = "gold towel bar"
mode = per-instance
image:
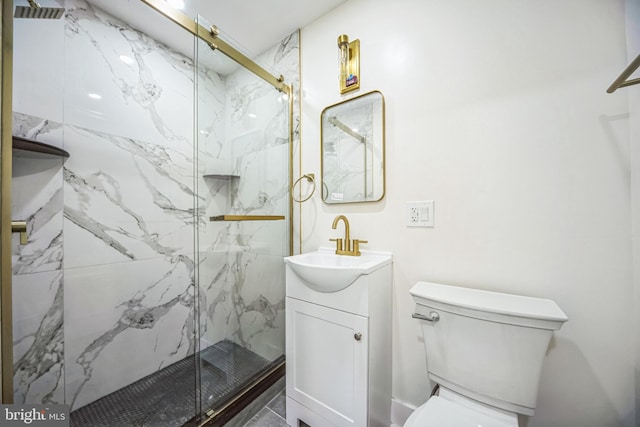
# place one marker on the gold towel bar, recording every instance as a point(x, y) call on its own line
point(622, 81)
point(246, 218)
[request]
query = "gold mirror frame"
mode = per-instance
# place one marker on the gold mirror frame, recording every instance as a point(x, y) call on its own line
point(346, 175)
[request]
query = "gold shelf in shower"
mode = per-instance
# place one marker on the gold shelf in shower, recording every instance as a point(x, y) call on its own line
point(247, 218)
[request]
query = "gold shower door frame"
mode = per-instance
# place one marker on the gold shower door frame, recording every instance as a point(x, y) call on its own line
point(211, 37)
point(6, 337)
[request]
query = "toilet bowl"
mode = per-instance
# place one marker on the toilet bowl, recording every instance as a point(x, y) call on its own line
point(450, 409)
point(485, 350)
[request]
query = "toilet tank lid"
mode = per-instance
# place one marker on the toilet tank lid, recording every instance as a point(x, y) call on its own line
point(489, 301)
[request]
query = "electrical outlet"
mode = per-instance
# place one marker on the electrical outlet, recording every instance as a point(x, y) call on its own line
point(420, 214)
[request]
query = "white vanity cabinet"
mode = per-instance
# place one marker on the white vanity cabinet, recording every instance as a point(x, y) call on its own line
point(338, 349)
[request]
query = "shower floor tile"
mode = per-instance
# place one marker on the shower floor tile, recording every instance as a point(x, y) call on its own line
point(166, 398)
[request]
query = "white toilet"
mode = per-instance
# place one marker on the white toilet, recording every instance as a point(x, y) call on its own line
point(485, 351)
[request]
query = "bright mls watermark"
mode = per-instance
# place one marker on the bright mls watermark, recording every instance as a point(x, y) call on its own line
point(34, 415)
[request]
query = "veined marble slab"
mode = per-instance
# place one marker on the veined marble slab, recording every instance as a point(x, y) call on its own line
point(244, 300)
point(38, 338)
point(124, 321)
point(129, 84)
point(125, 199)
point(38, 67)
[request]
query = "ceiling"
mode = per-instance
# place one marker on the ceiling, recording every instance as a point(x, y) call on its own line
point(252, 26)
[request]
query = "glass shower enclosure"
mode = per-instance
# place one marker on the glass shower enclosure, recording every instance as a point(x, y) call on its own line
point(150, 287)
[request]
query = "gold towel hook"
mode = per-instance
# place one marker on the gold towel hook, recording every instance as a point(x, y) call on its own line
point(310, 178)
point(20, 227)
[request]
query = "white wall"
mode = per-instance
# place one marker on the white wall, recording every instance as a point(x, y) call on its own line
point(497, 110)
point(633, 49)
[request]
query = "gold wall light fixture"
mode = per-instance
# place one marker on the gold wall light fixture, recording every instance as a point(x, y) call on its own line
point(349, 56)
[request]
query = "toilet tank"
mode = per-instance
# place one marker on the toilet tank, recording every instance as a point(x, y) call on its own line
point(488, 346)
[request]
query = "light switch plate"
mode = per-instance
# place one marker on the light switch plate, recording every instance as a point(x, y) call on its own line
point(420, 213)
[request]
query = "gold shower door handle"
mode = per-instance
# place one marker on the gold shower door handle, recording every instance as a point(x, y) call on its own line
point(20, 227)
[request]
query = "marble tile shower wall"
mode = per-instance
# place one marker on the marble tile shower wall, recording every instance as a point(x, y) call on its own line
point(37, 197)
point(124, 296)
point(103, 291)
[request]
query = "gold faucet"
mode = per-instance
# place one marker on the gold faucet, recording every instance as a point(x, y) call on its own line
point(346, 248)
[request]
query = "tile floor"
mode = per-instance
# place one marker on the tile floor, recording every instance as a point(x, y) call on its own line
point(272, 415)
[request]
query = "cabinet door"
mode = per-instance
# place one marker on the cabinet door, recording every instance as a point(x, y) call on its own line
point(327, 362)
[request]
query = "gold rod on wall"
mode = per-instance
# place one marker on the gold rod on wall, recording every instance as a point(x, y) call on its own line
point(199, 31)
point(346, 129)
point(299, 126)
point(247, 218)
point(6, 296)
point(290, 168)
point(622, 81)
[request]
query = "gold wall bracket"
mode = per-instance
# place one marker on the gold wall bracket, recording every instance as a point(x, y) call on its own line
point(20, 227)
point(622, 81)
point(349, 63)
point(212, 37)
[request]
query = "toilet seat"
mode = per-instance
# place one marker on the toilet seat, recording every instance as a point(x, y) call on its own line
point(442, 411)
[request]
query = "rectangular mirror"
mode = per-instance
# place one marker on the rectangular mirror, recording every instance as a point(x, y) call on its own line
point(352, 150)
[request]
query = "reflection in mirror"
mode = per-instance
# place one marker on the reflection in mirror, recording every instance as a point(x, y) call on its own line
point(352, 150)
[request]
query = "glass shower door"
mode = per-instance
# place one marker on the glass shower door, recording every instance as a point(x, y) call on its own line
point(104, 295)
point(242, 191)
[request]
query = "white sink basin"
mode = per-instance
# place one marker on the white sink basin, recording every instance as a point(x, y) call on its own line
point(324, 271)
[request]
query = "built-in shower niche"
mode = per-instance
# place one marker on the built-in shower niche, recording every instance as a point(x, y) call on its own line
point(224, 177)
point(38, 294)
point(221, 186)
point(30, 148)
point(37, 180)
point(219, 168)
